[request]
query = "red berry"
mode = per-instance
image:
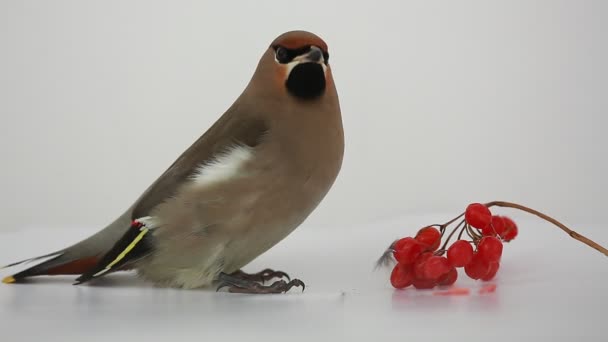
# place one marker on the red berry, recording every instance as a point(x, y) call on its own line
point(495, 227)
point(430, 237)
point(489, 248)
point(449, 278)
point(436, 266)
point(420, 265)
point(510, 229)
point(401, 276)
point(460, 253)
point(399, 244)
point(488, 230)
point(477, 215)
point(423, 284)
point(407, 250)
point(477, 268)
point(491, 272)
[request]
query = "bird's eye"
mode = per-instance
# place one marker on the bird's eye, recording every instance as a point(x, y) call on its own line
point(282, 55)
point(326, 57)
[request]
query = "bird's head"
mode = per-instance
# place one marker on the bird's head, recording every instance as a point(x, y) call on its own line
point(296, 63)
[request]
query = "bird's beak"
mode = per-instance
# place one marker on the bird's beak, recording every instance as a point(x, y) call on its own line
point(315, 55)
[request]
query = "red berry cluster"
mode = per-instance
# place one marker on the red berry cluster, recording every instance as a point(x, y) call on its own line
point(421, 262)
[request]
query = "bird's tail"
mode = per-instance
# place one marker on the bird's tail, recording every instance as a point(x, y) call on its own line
point(76, 259)
point(31, 260)
point(54, 266)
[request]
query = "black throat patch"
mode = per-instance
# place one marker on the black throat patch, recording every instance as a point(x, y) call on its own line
point(306, 80)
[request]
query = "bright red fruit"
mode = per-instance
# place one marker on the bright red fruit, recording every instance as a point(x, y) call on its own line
point(401, 276)
point(491, 272)
point(430, 237)
point(420, 265)
point(510, 229)
point(448, 278)
point(399, 244)
point(496, 227)
point(460, 253)
point(487, 230)
point(435, 267)
point(477, 268)
point(489, 248)
point(423, 284)
point(407, 250)
point(477, 215)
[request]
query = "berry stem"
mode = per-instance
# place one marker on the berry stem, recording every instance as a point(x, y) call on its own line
point(568, 231)
point(472, 233)
point(462, 231)
point(447, 240)
point(452, 220)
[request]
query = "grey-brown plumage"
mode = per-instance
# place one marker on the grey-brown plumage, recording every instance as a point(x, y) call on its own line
point(242, 187)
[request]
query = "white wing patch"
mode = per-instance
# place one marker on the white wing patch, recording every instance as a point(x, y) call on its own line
point(150, 222)
point(223, 167)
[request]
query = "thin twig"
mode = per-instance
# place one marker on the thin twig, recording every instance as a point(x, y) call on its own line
point(462, 231)
point(568, 231)
point(473, 234)
point(453, 220)
point(447, 240)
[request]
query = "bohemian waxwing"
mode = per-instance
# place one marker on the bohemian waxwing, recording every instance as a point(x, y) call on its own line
point(242, 187)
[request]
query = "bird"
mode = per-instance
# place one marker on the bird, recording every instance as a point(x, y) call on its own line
point(249, 181)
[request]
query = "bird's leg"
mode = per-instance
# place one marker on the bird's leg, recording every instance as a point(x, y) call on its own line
point(262, 276)
point(236, 284)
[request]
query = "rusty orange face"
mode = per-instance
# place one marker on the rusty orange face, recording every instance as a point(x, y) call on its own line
point(301, 64)
point(298, 39)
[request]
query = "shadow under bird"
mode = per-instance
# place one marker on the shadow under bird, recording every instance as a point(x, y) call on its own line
point(242, 187)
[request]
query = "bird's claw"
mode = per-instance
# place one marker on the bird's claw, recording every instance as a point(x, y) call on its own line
point(262, 276)
point(269, 274)
point(221, 286)
point(297, 283)
point(238, 285)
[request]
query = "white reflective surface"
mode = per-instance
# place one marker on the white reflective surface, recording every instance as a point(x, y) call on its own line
point(549, 287)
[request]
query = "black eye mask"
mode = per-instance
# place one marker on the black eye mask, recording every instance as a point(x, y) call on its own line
point(285, 55)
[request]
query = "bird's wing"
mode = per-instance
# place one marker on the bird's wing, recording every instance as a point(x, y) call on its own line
point(135, 243)
point(224, 134)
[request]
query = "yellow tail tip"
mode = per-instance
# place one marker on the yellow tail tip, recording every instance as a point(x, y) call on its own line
point(8, 280)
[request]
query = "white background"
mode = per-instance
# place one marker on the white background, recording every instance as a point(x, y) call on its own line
point(444, 102)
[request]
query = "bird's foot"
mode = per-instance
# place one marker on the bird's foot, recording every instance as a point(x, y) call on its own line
point(236, 284)
point(262, 276)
